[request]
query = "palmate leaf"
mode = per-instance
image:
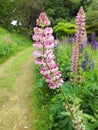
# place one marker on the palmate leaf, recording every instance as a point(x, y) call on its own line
point(94, 87)
point(65, 123)
point(90, 87)
point(89, 117)
point(91, 122)
point(70, 91)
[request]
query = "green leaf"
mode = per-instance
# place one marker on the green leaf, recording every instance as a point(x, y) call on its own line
point(64, 113)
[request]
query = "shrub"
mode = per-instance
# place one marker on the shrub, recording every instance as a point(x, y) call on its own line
point(63, 29)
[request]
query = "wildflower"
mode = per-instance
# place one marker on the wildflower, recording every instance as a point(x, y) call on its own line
point(94, 42)
point(80, 39)
point(44, 44)
point(84, 65)
point(75, 58)
point(86, 56)
point(81, 36)
point(77, 118)
point(43, 20)
point(87, 64)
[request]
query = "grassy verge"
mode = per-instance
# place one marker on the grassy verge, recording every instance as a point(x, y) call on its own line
point(11, 43)
point(41, 101)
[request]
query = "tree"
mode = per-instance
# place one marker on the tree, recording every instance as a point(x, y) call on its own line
point(63, 10)
point(6, 10)
point(92, 12)
point(24, 12)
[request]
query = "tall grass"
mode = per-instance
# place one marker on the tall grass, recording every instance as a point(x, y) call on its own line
point(11, 43)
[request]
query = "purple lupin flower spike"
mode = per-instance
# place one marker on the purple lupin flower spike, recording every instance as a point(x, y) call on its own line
point(96, 44)
point(84, 65)
point(86, 56)
point(85, 62)
point(93, 40)
point(88, 63)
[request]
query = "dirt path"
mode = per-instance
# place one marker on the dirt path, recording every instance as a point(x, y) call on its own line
point(15, 111)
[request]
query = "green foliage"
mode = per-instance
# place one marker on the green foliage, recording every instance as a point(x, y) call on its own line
point(11, 43)
point(92, 28)
point(51, 102)
point(22, 11)
point(64, 60)
point(63, 10)
point(62, 29)
point(56, 11)
point(26, 12)
point(5, 51)
point(92, 12)
point(88, 94)
point(6, 10)
point(43, 97)
point(49, 107)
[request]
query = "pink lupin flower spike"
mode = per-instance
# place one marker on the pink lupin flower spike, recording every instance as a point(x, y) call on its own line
point(44, 43)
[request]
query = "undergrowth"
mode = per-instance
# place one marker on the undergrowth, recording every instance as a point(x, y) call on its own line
point(51, 114)
point(11, 43)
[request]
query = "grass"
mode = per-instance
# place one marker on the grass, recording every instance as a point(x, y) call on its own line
point(11, 43)
point(41, 97)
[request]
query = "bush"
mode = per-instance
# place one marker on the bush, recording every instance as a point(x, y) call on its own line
point(63, 29)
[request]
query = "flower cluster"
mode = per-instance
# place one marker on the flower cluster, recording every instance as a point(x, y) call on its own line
point(84, 64)
point(43, 20)
point(88, 63)
point(76, 114)
point(94, 42)
point(44, 43)
point(75, 59)
point(81, 36)
point(81, 39)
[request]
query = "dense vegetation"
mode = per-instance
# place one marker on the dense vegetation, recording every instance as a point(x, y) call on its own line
point(11, 43)
point(71, 104)
point(25, 12)
point(75, 104)
point(51, 111)
point(63, 29)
